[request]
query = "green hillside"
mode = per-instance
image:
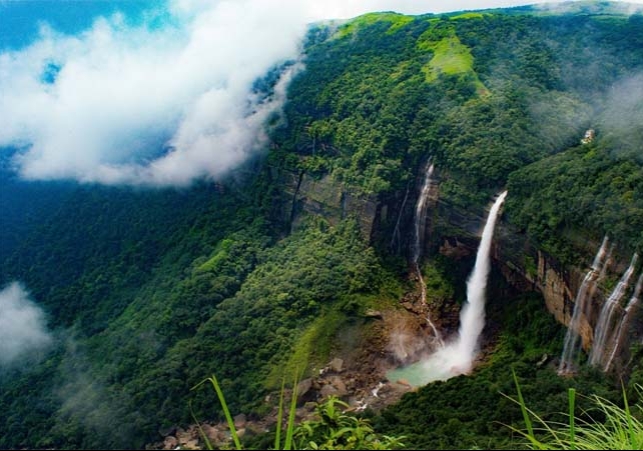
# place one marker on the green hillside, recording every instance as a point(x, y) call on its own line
point(149, 292)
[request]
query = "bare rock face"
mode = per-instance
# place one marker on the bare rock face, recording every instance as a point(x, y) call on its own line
point(530, 269)
point(329, 199)
point(559, 298)
point(454, 249)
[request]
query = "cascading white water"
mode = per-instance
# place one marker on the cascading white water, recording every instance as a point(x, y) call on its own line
point(604, 331)
point(585, 291)
point(473, 314)
point(417, 244)
point(420, 216)
point(457, 357)
point(620, 334)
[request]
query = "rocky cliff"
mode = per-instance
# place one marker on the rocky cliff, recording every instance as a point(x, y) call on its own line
point(454, 232)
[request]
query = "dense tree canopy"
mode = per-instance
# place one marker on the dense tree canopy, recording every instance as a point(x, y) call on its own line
point(150, 292)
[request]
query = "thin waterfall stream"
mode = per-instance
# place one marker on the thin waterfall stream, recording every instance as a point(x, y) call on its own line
point(418, 242)
point(620, 334)
point(604, 329)
point(585, 291)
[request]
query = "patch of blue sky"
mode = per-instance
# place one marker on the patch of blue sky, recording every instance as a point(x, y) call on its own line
point(20, 20)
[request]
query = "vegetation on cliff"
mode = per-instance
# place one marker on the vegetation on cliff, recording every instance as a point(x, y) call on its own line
point(148, 292)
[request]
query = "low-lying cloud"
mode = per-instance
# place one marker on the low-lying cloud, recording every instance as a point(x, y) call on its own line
point(162, 104)
point(620, 119)
point(23, 330)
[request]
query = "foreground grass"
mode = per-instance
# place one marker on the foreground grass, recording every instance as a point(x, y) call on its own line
point(621, 429)
point(332, 428)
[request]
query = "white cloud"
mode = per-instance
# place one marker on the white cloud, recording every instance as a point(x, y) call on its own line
point(23, 332)
point(122, 94)
point(164, 105)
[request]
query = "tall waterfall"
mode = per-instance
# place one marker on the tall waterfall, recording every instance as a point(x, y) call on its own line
point(604, 330)
point(584, 293)
point(457, 356)
point(620, 334)
point(418, 241)
point(472, 315)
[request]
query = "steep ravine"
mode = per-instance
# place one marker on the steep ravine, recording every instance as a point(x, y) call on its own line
point(383, 339)
point(453, 232)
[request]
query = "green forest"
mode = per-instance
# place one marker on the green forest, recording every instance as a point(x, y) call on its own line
point(267, 274)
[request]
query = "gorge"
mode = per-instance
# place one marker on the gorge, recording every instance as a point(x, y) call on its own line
point(345, 248)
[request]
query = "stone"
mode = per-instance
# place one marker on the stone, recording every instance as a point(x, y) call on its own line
point(240, 421)
point(170, 442)
point(303, 387)
point(212, 433)
point(167, 431)
point(370, 313)
point(336, 365)
point(339, 385)
point(183, 436)
point(191, 444)
point(328, 390)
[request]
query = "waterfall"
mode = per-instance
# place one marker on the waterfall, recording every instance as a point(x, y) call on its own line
point(585, 292)
point(472, 315)
point(418, 241)
point(420, 216)
point(606, 317)
point(619, 335)
point(457, 356)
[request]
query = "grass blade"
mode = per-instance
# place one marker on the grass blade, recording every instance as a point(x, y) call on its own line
point(628, 416)
point(280, 414)
point(572, 400)
point(523, 407)
point(226, 411)
point(290, 430)
point(206, 440)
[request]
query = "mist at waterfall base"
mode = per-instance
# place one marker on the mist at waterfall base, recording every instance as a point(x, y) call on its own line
point(456, 357)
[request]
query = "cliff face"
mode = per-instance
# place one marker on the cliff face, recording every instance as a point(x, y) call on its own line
point(325, 197)
point(528, 268)
point(454, 233)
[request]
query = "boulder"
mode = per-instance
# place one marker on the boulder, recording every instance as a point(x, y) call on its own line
point(336, 365)
point(240, 421)
point(170, 442)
